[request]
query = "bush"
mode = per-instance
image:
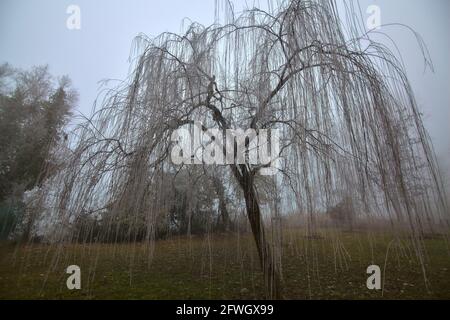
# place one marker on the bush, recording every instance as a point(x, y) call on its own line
point(343, 214)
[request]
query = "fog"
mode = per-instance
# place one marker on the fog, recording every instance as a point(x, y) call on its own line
point(35, 33)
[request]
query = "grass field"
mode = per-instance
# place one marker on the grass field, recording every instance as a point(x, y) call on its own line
point(226, 267)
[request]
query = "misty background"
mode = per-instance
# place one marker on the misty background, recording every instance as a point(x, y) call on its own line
point(35, 33)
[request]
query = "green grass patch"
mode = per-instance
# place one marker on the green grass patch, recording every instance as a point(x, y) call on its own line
point(332, 266)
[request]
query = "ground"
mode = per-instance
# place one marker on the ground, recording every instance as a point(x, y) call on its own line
point(330, 266)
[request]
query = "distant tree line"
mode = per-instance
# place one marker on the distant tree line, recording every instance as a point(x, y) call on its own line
point(191, 202)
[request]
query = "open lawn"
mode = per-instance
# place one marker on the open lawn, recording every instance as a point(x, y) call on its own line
point(226, 267)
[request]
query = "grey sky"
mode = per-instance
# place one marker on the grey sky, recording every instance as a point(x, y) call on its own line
point(34, 32)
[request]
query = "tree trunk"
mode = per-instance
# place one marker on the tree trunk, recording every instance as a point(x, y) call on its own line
point(223, 222)
point(269, 266)
point(26, 235)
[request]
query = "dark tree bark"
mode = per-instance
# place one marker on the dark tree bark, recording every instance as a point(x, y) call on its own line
point(269, 267)
point(223, 222)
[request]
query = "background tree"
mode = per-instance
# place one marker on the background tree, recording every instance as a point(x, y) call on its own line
point(343, 214)
point(34, 108)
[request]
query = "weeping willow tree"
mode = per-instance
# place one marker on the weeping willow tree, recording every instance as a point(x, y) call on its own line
point(346, 114)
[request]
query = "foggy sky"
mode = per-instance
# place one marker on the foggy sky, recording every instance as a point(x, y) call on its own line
point(35, 33)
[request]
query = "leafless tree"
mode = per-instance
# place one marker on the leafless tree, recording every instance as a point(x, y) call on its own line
point(340, 100)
